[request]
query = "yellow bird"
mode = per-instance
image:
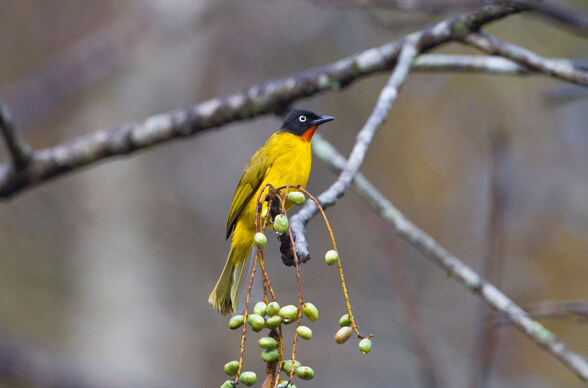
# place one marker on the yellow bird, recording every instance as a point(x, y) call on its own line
point(284, 159)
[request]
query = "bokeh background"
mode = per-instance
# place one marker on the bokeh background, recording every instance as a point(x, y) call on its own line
point(106, 272)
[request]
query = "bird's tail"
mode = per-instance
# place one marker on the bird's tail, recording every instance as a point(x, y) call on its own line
point(224, 295)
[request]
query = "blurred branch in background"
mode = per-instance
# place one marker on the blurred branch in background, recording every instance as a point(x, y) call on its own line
point(486, 338)
point(454, 267)
point(420, 337)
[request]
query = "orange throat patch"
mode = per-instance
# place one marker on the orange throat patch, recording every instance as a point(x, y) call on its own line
point(307, 135)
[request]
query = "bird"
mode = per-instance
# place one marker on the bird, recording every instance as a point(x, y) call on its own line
point(284, 159)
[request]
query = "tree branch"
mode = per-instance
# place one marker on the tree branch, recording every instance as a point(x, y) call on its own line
point(268, 97)
point(486, 64)
point(18, 148)
point(563, 70)
point(453, 266)
point(364, 138)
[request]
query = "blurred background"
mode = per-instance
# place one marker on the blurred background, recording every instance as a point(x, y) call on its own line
point(105, 273)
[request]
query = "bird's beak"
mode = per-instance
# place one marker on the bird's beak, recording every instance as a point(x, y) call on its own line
point(322, 120)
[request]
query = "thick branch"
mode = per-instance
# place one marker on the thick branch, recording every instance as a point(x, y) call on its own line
point(563, 70)
point(268, 97)
point(20, 151)
point(453, 266)
point(364, 138)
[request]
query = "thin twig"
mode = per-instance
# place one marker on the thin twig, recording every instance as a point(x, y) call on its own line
point(20, 151)
point(455, 267)
point(564, 70)
point(364, 138)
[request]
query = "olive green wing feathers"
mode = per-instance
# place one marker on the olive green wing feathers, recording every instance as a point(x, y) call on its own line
point(253, 175)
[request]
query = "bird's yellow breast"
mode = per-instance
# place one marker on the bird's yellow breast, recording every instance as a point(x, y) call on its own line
point(290, 157)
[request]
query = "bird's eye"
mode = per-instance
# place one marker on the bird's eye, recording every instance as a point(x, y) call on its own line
point(302, 119)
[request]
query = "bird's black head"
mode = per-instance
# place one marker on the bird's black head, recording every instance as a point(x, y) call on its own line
point(304, 122)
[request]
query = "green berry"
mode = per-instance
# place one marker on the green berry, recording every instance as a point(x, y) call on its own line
point(296, 197)
point(289, 312)
point(343, 334)
point(260, 308)
point(305, 372)
point(304, 332)
point(248, 378)
point(270, 355)
point(286, 384)
point(287, 365)
point(344, 320)
point(273, 322)
point(331, 257)
point(256, 322)
point(281, 223)
point(231, 368)
point(267, 343)
point(227, 384)
point(235, 322)
point(260, 240)
point(310, 311)
point(273, 308)
point(365, 345)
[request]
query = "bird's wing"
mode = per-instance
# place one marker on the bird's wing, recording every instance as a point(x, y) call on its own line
point(251, 179)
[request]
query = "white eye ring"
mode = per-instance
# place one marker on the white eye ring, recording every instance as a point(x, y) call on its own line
point(302, 119)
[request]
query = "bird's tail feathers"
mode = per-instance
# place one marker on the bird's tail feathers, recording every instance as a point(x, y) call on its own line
point(226, 292)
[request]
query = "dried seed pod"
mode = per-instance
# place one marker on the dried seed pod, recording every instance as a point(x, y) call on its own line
point(296, 197)
point(273, 308)
point(273, 322)
point(287, 365)
point(343, 334)
point(235, 322)
point(281, 223)
point(344, 320)
point(310, 311)
point(248, 378)
point(305, 372)
point(267, 343)
point(270, 355)
point(289, 312)
point(365, 345)
point(260, 308)
point(304, 332)
point(331, 257)
point(256, 322)
point(260, 240)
